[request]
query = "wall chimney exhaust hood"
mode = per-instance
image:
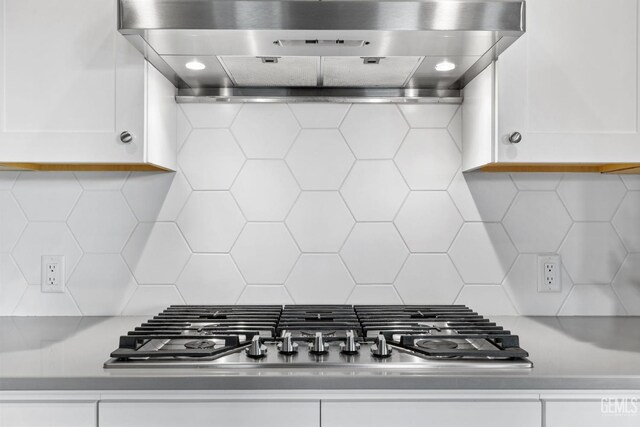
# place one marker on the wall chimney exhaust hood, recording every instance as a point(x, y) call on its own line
point(331, 51)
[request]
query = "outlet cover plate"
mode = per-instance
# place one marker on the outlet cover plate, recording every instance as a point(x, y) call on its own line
point(52, 273)
point(549, 273)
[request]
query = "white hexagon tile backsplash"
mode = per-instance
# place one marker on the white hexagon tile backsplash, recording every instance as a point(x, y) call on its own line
point(319, 203)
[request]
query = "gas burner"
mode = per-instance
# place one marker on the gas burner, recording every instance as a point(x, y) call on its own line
point(436, 344)
point(200, 344)
point(312, 334)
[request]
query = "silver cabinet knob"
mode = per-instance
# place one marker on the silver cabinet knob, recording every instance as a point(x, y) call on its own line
point(515, 137)
point(126, 137)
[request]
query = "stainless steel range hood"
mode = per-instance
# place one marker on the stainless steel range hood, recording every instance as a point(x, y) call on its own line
point(338, 51)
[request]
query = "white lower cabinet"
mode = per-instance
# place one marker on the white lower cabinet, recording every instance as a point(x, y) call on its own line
point(459, 413)
point(604, 411)
point(210, 414)
point(48, 414)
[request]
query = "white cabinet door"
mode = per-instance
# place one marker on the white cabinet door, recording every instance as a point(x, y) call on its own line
point(464, 413)
point(69, 84)
point(210, 414)
point(48, 414)
point(592, 413)
point(570, 84)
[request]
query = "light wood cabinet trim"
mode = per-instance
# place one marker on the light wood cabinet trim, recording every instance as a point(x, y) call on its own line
point(79, 167)
point(625, 168)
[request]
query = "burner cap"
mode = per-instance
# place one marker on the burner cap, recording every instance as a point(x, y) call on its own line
point(200, 344)
point(437, 344)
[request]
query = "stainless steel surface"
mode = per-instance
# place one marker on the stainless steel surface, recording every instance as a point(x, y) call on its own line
point(332, 360)
point(126, 137)
point(67, 353)
point(336, 95)
point(515, 137)
point(336, 34)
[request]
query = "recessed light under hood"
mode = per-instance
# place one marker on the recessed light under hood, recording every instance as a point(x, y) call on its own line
point(305, 50)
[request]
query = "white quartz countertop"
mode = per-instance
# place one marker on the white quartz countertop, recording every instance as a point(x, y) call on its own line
point(67, 353)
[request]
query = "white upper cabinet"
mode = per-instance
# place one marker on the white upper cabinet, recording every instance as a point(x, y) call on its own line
point(70, 84)
point(569, 87)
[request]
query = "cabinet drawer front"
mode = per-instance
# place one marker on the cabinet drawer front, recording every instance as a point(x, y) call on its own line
point(205, 414)
point(431, 413)
point(593, 413)
point(48, 414)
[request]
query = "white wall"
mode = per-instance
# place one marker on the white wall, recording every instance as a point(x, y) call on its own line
point(319, 204)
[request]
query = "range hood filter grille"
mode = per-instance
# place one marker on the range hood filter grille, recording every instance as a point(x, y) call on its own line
point(346, 71)
point(287, 71)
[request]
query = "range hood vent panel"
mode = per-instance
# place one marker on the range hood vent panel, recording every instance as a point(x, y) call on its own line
point(291, 71)
point(320, 45)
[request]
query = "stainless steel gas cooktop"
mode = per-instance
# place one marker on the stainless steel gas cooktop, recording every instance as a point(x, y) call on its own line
point(385, 337)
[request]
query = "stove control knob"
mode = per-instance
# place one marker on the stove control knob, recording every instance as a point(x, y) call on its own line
point(350, 346)
point(256, 349)
point(318, 346)
point(381, 348)
point(287, 346)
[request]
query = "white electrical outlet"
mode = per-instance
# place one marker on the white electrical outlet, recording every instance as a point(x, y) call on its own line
point(549, 273)
point(52, 273)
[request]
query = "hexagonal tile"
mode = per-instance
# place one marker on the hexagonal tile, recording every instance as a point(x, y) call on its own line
point(632, 182)
point(482, 196)
point(34, 302)
point(592, 300)
point(102, 221)
point(319, 115)
point(101, 180)
point(45, 238)
point(592, 253)
point(374, 294)
point(320, 159)
point(374, 190)
point(319, 279)
point(156, 196)
point(211, 221)
point(12, 221)
point(591, 197)
point(483, 253)
point(265, 253)
point(429, 115)
point(537, 221)
point(47, 196)
point(522, 285)
point(537, 181)
point(374, 131)
point(211, 159)
point(428, 159)
point(374, 253)
point(487, 299)
point(156, 253)
point(265, 131)
point(12, 285)
point(103, 294)
point(627, 219)
point(183, 128)
point(320, 222)
point(265, 190)
point(265, 294)
point(8, 179)
point(428, 221)
point(150, 300)
point(428, 279)
point(210, 279)
point(627, 284)
point(206, 115)
point(455, 128)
